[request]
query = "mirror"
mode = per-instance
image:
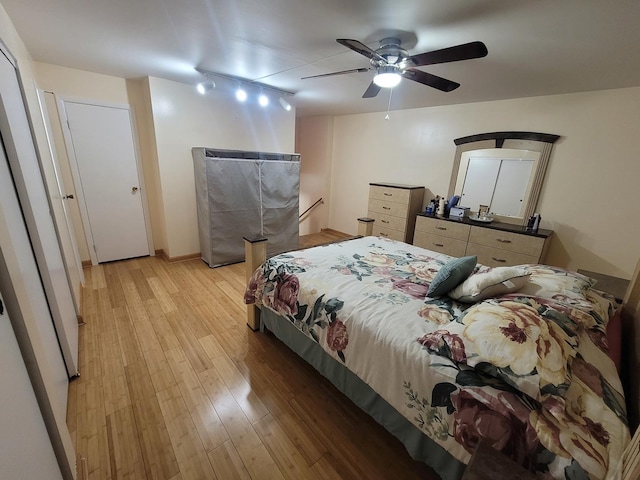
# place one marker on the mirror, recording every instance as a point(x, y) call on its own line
point(504, 170)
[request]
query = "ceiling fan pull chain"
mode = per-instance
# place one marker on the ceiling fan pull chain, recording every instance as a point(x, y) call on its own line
point(386, 117)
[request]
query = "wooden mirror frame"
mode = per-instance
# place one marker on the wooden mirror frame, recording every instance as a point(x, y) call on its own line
point(532, 141)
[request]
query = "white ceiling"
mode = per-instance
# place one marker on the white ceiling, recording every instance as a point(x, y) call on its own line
point(540, 47)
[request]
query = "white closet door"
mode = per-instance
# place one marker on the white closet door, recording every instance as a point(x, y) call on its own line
point(25, 448)
point(34, 203)
point(103, 147)
point(58, 197)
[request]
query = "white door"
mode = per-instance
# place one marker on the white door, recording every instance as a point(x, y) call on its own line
point(25, 174)
point(25, 447)
point(58, 197)
point(102, 145)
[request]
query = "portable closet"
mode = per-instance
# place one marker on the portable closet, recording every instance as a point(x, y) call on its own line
point(241, 193)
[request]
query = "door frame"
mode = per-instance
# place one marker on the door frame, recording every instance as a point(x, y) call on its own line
point(75, 171)
point(57, 193)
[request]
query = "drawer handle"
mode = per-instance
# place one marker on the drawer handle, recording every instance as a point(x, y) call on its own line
point(501, 260)
point(441, 228)
point(388, 194)
point(438, 244)
point(384, 221)
point(384, 234)
point(503, 241)
point(386, 208)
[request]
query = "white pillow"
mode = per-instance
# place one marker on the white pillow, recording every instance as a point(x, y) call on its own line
point(495, 282)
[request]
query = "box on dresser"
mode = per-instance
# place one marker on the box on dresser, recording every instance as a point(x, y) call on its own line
point(495, 244)
point(394, 208)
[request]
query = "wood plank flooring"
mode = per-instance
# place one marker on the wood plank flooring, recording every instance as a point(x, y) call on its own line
point(174, 385)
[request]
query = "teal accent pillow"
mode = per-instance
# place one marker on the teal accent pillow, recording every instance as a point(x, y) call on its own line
point(451, 274)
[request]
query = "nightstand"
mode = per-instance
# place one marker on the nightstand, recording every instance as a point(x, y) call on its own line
point(606, 283)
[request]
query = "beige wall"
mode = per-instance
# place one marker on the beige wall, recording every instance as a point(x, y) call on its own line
point(590, 195)
point(184, 119)
point(313, 142)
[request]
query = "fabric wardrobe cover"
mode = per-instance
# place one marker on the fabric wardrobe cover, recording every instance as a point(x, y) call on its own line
point(241, 193)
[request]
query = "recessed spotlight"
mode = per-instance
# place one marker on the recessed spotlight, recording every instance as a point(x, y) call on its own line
point(263, 100)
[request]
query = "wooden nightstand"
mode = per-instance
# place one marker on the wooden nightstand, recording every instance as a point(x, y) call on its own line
point(613, 285)
point(489, 464)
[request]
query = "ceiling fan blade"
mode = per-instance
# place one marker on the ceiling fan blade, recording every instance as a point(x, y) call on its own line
point(360, 48)
point(431, 80)
point(371, 91)
point(353, 70)
point(466, 51)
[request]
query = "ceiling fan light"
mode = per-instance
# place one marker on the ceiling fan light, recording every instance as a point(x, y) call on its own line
point(387, 77)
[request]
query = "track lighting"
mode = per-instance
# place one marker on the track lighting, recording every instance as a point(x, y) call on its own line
point(241, 94)
point(284, 104)
point(245, 87)
point(388, 76)
point(204, 87)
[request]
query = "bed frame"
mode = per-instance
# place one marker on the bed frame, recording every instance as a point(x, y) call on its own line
point(256, 254)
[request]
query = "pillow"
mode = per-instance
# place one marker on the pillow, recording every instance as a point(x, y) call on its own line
point(495, 282)
point(451, 274)
point(557, 284)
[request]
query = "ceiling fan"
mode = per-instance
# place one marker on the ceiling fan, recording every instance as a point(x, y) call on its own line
point(391, 63)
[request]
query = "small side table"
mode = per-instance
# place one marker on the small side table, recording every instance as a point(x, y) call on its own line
point(489, 464)
point(606, 283)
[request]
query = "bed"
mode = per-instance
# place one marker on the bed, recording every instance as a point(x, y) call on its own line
point(519, 359)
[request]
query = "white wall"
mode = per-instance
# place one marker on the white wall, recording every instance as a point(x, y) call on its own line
point(590, 196)
point(313, 142)
point(183, 119)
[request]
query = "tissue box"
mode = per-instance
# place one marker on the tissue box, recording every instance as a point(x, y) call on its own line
point(459, 212)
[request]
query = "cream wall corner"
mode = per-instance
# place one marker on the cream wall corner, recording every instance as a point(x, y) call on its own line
point(184, 119)
point(590, 194)
point(314, 143)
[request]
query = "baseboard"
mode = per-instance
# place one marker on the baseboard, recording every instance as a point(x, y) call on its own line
point(180, 258)
point(335, 232)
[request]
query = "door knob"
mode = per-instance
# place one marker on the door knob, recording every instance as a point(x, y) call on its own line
point(134, 189)
point(68, 196)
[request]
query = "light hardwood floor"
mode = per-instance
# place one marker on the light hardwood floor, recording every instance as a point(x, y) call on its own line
point(174, 385)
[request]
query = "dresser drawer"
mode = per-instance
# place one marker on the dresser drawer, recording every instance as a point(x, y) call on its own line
point(379, 231)
point(442, 227)
point(396, 195)
point(440, 244)
point(495, 257)
point(513, 242)
point(387, 208)
point(388, 221)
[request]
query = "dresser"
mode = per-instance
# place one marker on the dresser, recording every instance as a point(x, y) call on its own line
point(394, 208)
point(495, 244)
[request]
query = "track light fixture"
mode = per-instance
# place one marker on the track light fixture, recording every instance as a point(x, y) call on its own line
point(205, 87)
point(284, 104)
point(241, 94)
point(244, 86)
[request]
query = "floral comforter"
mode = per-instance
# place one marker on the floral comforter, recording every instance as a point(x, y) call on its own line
point(527, 372)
